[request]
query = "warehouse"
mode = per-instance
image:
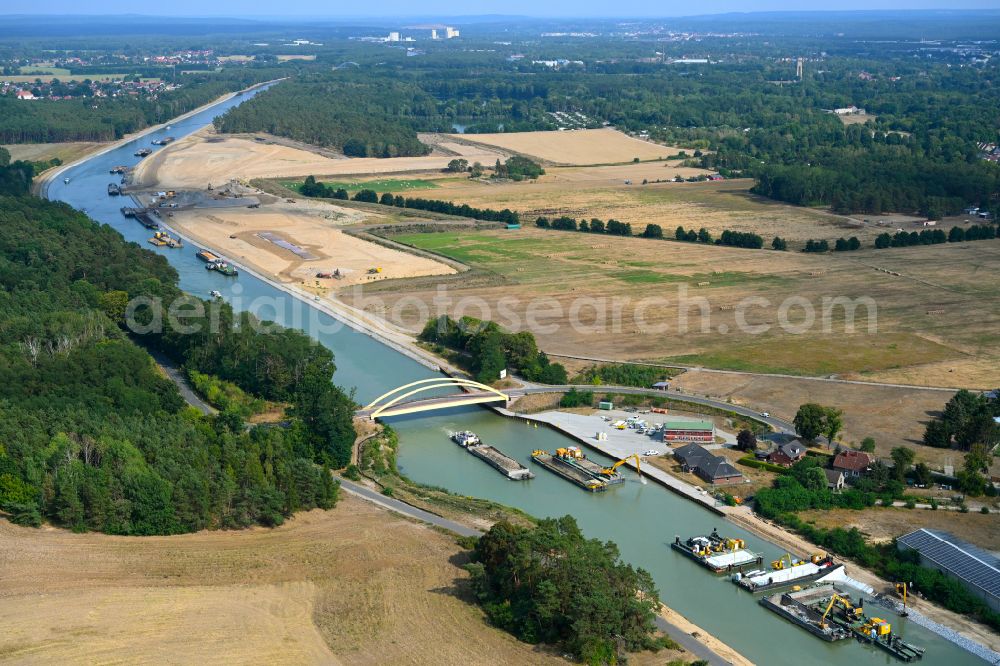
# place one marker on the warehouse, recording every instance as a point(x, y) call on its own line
point(689, 431)
point(976, 569)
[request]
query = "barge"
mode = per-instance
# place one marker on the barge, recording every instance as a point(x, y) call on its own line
point(799, 572)
point(143, 152)
point(501, 462)
point(162, 239)
point(114, 190)
point(828, 612)
point(143, 218)
point(716, 552)
point(798, 608)
point(573, 474)
point(162, 142)
point(493, 456)
point(206, 256)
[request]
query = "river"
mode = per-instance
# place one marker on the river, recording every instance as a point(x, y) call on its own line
point(641, 519)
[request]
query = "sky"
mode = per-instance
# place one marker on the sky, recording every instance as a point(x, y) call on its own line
point(404, 8)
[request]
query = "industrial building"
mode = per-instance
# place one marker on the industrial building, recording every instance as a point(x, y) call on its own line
point(976, 569)
point(689, 431)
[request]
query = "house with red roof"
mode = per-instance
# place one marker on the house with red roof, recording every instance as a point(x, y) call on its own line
point(852, 463)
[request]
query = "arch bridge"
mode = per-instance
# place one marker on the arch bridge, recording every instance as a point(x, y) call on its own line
point(402, 400)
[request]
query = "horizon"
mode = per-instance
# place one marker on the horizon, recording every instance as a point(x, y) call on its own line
point(516, 9)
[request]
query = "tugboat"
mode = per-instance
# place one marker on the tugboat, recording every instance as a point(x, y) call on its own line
point(465, 438)
point(66, 180)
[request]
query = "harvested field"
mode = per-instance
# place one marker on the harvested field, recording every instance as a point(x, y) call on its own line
point(355, 585)
point(601, 192)
point(352, 585)
point(41, 152)
point(242, 235)
point(300, 56)
point(205, 157)
point(893, 416)
point(937, 310)
point(884, 524)
point(592, 146)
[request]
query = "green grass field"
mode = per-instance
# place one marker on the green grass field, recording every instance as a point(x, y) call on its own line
point(380, 186)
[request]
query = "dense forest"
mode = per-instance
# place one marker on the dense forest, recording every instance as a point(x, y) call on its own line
point(360, 117)
point(917, 150)
point(550, 584)
point(93, 436)
point(110, 118)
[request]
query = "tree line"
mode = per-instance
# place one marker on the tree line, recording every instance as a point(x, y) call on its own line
point(95, 438)
point(936, 236)
point(312, 188)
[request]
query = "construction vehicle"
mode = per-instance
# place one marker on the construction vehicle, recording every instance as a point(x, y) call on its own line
point(779, 563)
point(375, 270)
point(901, 590)
point(853, 612)
point(610, 471)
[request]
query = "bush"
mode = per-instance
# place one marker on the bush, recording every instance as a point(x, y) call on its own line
point(574, 398)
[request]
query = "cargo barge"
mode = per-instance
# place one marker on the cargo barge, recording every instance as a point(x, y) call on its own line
point(162, 142)
point(143, 152)
point(501, 462)
point(114, 190)
point(143, 218)
point(560, 467)
point(716, 552)
point(796, 573)
point(206, 256)
point(797, 607)
point(493, 456)
point(827, 612)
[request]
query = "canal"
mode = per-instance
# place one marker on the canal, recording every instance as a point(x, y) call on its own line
point(641, 519)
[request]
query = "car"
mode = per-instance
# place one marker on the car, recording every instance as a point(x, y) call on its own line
point(651, 452)
point(765, 414)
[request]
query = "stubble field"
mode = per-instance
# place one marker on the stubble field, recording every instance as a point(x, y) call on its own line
point(354, 585)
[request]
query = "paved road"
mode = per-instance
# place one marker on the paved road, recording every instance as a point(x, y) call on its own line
point(178, 378)
point(831, 379)
point(405, 509)
point(687, 641)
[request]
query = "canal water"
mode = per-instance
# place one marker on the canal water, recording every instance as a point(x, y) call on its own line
point(641, 519)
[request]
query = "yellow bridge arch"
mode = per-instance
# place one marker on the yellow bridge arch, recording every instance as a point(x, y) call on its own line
point(394, 402)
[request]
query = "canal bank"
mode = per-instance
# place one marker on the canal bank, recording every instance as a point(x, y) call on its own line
point(642, 519)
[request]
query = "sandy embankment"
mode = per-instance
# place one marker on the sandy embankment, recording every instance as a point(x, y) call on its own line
point(206, 157)
point(39, 185)
point(238, 234)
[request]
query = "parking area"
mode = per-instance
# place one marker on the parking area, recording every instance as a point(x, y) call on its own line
point(600, 430)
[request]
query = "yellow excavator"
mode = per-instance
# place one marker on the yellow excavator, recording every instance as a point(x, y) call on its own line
point(849, 608)
point(610, 471)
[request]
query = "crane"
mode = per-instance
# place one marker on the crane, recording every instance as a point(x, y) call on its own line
point(609, 471)
point(846, 603)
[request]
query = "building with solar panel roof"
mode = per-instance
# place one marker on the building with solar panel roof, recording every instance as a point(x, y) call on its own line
point(977, 569)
